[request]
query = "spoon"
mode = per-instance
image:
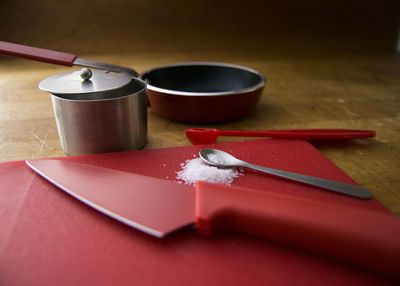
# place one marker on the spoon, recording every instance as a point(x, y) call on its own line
point(222, 159)
point(210, 135)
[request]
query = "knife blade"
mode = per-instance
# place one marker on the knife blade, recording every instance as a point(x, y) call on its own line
point(158, 207)
point(154, 206)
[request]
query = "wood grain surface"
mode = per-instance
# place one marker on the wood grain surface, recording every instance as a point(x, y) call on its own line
point(358, 91)
point(321, 72)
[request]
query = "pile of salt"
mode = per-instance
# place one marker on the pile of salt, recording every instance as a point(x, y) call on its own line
point(197, 170)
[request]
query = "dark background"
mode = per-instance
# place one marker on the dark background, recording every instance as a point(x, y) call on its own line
point(125, 26)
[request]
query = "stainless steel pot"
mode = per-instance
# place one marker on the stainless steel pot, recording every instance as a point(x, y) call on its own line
point(98, 111)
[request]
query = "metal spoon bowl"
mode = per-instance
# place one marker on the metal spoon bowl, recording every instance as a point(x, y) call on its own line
point(222, 159)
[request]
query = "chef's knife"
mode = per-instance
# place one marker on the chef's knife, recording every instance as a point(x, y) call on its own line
point(158, 207)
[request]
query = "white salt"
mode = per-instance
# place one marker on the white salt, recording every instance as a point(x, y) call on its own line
point(215, 158)
point(197, 170)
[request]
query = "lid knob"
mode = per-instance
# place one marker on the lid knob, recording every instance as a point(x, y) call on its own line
point(85, 74)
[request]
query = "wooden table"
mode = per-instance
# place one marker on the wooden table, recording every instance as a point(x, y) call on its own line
point(330, 90)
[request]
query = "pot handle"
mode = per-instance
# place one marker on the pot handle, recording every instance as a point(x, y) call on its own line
point(37, 54)
point(58, 58)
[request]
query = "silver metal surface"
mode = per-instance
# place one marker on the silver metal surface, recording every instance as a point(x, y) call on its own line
point(104, 114)
point(106, 67)
point(222, 159)
point(85, 74)
point(72, 82)
point(104, 125)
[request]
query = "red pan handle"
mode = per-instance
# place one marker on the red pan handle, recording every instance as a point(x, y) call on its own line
point(37, 54)
point(363, 237)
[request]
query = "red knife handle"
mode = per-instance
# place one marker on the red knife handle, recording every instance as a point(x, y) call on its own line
point(363, 237)
point(37, 54)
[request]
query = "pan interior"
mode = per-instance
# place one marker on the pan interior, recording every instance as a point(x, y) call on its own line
point(202, 78)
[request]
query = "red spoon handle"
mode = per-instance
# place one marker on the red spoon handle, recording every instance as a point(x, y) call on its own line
point(37, 54)
point(363, 237)
point(303, 133)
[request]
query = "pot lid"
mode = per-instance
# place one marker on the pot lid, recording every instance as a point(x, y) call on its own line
point(84, 81)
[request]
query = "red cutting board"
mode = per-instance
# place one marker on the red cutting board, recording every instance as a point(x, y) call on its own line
point(49, 238)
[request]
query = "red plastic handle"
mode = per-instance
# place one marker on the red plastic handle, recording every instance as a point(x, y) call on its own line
point(37, 54)
point(367, 238)
point(303, 133)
